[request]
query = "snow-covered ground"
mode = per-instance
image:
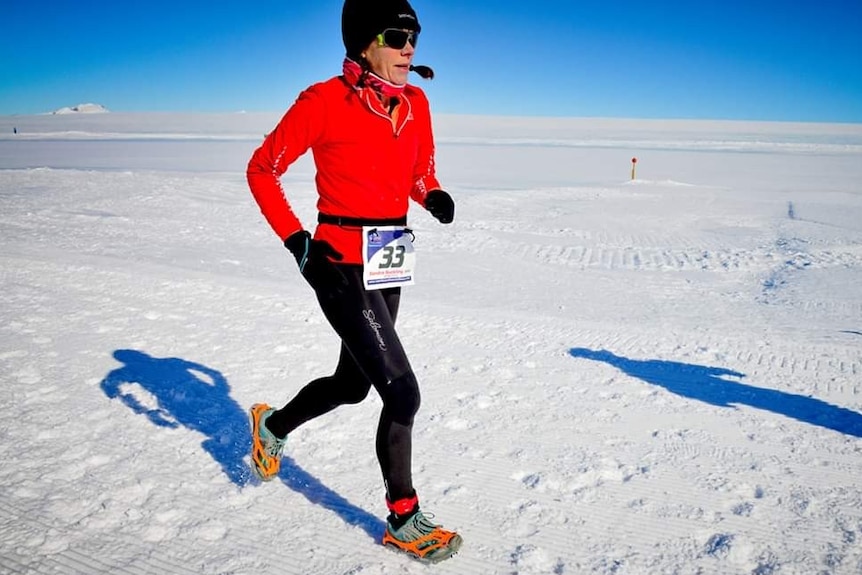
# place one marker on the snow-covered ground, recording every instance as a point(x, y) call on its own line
point(659, 375)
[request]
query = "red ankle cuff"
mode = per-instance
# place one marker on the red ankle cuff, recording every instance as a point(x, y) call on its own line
point(402, 506)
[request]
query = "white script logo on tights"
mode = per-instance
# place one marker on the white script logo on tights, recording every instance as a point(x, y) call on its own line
point(372, 323)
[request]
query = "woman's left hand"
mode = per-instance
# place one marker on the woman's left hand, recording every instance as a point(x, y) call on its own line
point(441, 205)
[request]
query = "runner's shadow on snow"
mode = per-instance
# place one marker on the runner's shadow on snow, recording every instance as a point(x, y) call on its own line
point(317, 493)
point(708, 384)
point(173, 392)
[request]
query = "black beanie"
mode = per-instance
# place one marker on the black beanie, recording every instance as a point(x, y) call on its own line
point(363, 20)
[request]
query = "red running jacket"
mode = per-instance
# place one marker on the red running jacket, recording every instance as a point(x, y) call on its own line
point(368, 163)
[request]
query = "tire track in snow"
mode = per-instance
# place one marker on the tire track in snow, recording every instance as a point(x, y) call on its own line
point(566, 247)
point(622, 255)
point(661, 259)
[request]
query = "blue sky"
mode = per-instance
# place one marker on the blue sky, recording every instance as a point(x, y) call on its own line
point(729, 59)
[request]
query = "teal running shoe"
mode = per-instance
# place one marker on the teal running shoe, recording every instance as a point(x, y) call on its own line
point(423, 539)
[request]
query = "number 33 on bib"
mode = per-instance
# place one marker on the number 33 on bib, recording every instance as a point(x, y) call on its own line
point(388, 257)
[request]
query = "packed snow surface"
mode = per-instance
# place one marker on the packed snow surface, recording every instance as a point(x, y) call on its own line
point(620, 375)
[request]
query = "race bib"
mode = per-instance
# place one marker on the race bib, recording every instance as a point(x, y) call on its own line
point(388, 256)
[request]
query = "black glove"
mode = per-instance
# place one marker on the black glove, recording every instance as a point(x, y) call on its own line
point(313, 259)
point(441, 206)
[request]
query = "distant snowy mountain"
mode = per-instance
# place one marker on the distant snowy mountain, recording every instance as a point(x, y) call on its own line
point(82, 109)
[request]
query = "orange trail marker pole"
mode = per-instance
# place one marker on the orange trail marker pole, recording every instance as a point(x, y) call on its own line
point(634, 164)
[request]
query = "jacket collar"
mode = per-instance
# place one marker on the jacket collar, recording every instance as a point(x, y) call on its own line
point(358, 77)
point(373, 90)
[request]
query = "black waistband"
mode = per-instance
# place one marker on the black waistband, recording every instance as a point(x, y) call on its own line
point(345, 221)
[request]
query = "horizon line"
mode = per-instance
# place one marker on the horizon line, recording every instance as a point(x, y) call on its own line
point(105, 111)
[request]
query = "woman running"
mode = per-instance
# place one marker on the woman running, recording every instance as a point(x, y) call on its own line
point(370, 134)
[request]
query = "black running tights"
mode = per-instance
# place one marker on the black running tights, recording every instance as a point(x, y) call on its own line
point(371, 355)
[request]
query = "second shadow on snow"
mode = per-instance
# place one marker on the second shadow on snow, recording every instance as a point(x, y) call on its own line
point(181, 393)
point(710, 385)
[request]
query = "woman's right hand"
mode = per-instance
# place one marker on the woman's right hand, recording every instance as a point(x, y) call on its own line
point(314, 258)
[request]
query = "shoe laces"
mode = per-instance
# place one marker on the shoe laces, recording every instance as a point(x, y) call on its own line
point(274, 446)
point(420, 525)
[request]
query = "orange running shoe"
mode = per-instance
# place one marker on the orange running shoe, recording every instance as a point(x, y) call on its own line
point(266, 448)
point(423, 539)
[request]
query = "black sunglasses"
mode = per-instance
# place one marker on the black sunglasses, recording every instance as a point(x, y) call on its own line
point(397, 38)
